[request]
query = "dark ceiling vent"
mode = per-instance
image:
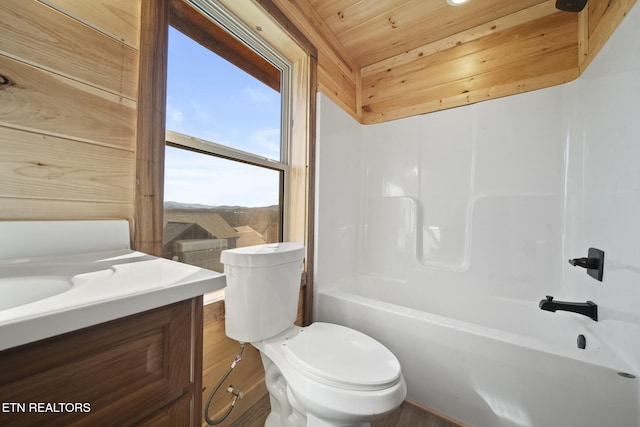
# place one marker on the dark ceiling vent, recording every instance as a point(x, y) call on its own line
point(571, 5)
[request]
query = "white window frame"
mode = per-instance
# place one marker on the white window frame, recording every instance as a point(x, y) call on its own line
point(224, 18)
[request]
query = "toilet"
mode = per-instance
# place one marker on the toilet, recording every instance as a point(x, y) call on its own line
point(319, 375)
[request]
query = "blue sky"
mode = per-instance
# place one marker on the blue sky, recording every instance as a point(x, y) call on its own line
point(211, 99)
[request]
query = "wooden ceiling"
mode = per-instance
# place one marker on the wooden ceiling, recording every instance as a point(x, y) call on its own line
point(374, 30)
point(387, 59)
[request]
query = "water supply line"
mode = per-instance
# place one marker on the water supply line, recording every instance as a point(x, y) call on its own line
point(236, 393)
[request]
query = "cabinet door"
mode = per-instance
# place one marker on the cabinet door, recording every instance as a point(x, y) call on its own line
point(176, 415)
point(117, 373)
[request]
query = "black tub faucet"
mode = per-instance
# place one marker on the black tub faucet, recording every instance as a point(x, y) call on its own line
point(589, 308)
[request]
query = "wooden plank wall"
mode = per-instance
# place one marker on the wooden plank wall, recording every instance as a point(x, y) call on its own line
point(68, 108)
point(219, 352)
point(599, 20)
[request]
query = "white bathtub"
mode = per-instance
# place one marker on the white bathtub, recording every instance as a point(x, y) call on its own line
point(489, 362)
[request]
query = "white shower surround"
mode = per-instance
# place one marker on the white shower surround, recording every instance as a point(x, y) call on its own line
point(499, 195)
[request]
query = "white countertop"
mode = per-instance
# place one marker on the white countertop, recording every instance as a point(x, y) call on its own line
point(102, 285)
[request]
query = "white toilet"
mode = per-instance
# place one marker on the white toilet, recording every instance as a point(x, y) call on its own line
point(319, 375)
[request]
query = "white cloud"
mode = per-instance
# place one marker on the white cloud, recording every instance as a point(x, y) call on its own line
point(174, 115)
point(268, 140)
point(257, 95)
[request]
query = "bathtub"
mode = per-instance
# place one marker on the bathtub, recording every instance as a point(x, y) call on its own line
point(470, 360)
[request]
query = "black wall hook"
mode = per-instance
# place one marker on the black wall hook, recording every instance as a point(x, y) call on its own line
point(3, 80)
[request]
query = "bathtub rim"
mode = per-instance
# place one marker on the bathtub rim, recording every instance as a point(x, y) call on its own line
point(598, 358)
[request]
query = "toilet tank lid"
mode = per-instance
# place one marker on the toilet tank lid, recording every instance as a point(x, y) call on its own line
point(263, 255)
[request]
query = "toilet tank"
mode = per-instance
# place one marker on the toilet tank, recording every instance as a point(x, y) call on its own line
point(263, 286)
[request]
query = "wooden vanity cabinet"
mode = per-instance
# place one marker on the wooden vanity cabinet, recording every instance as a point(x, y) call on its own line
point(144, 369)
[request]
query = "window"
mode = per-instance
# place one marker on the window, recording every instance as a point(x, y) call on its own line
point(227, 153)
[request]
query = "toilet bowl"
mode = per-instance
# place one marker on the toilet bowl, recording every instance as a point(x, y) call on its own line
point(319, 375)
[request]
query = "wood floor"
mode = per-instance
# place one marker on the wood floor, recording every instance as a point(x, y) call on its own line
point(410, 415)
point(255, 416)
point(407, 415)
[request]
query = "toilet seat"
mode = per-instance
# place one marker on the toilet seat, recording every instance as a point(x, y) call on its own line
point(342, 357)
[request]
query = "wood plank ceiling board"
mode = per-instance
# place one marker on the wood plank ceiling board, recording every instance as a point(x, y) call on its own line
point(488, 28)
point(529, 56)
point(373, 31)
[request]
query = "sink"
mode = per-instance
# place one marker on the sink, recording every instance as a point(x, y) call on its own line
point(92, 277)
point(16, 291)
point(61, 276)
